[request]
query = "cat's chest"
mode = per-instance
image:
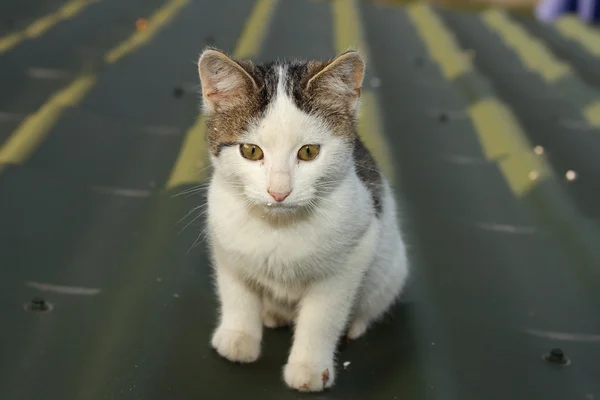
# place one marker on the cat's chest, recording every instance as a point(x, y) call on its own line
point(283, 263)
point(272, 245)
point(301, 251)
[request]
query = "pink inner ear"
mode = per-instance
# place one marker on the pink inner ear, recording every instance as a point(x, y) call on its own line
point(216, 95)
point(224, 98)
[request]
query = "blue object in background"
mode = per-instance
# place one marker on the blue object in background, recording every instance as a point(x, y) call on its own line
point(586, 10)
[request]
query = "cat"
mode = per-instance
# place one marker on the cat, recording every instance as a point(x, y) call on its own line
point(301, 223)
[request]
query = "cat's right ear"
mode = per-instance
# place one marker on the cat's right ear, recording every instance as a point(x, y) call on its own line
point(339, 81)
point(225, 83)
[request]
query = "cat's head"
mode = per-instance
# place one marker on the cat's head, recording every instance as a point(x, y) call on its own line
point(281, 133)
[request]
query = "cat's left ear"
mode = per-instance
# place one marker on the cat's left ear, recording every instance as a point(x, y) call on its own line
point(225, 83)
point(341, 77)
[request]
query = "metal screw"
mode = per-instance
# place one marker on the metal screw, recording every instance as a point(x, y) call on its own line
point(39, 304)
point(557, 356)
point(178, 91)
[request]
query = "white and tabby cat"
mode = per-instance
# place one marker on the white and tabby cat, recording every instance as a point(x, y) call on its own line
point(301, 223)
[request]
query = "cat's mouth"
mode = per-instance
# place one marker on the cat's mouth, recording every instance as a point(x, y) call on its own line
point(281, 208)
point(271, 207)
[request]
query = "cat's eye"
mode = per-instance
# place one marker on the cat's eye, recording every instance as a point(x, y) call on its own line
point(309, 152)
point(251, 152)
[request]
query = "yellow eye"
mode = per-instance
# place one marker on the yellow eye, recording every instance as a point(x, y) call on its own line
point(309, 152)
point(251, 152)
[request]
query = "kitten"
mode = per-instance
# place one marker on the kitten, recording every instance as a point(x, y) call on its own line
point(301, 223)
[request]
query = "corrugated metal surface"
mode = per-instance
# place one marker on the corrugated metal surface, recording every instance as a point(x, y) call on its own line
point(488, 123)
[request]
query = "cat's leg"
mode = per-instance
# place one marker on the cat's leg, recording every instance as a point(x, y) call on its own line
point(381, 287)
point(322, 317)
point(239, 333)
point(323, 314)
point(276, 314)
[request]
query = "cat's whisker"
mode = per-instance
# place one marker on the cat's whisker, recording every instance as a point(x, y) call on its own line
point(327, 184)
point(366, 168)
point(192, 189)
point(200, 238)
point(192, 194)
point(201, 193)
point(190, 212)
point(312, 209)
point(209, 166)
point(192, 221)
point(196, 242)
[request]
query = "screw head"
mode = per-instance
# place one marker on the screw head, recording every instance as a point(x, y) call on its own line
point(178, 91)
point(557, 356)
point(558, 353)
point(37, 304)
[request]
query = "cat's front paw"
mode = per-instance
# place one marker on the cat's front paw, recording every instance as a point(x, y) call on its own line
point(236, 346)
point(309, 377)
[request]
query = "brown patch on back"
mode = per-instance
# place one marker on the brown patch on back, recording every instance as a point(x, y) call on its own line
point(369, 173)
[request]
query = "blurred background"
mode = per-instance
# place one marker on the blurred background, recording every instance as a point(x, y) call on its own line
point(485, 115)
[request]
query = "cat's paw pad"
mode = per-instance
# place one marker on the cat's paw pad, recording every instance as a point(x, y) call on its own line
point(308, 377)
point(273, 320)
point(357, 329)
point(236, 346)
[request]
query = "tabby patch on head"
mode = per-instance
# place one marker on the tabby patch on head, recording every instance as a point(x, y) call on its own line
point(285, 132)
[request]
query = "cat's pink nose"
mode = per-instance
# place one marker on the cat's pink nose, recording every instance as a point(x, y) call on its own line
point(279, 196)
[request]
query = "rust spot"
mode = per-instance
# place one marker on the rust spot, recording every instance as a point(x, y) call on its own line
point(141, 24)
point(325, 376)
point(304, 387)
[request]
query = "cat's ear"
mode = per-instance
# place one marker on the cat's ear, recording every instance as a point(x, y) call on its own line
point(342, 77)
point(225, 83)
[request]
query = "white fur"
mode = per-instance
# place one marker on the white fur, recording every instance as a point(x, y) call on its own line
point(330, 264)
